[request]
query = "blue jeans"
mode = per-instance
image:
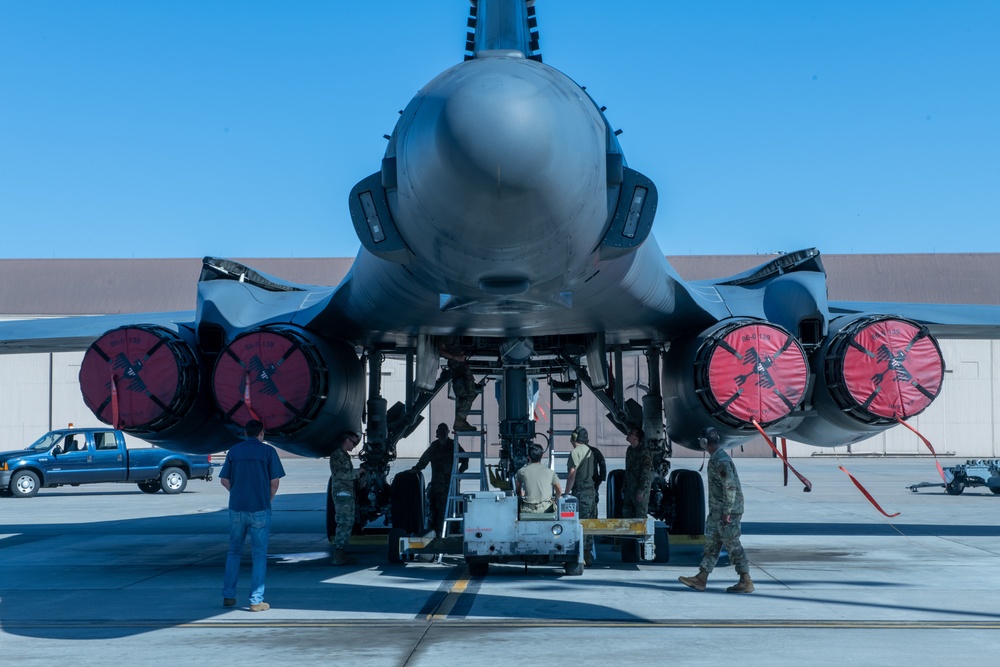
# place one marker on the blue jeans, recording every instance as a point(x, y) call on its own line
point(258, 524)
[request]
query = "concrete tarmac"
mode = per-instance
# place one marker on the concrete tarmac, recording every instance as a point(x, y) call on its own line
point(104, 573)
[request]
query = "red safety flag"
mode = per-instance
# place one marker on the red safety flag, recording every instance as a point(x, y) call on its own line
point(806, 482)
point(114, 401)
point(246, 399)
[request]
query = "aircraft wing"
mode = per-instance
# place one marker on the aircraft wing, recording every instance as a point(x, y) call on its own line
point(943, 320)
point(73, 334)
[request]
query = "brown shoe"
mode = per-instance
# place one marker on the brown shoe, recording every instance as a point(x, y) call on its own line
point(745, 585)
point(228, 602)
point(697, 582)
point(464, 426)
point(263, 606)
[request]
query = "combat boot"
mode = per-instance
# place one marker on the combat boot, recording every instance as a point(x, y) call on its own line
point(340, 558)
point(463, 425)
point(745, 585)
point(696, 582)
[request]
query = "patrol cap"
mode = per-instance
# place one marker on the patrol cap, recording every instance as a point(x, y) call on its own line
point(442, 429)
point(711, 435)
point(580, 435)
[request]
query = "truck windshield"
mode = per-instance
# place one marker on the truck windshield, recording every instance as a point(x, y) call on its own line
point(44, 443)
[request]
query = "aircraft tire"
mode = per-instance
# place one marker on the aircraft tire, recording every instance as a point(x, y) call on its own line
point(689, 502)
point(173, 480)
point(24, 484)
point(152, 486)
point(407, 495)
point(615, 498)
point(331, 512)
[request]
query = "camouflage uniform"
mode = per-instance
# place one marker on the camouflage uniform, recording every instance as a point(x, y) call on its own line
point(440, 455)
point(342, 488)
point(725, 496)
point(582, 459)
point(638, 477)
point(463, 382)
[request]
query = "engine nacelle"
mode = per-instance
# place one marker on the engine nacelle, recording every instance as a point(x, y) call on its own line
point(147, 381)
point(731, 374)
point(306, 390)
point(869, 372)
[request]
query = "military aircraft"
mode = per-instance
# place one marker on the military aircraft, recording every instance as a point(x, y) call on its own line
point(504, 213)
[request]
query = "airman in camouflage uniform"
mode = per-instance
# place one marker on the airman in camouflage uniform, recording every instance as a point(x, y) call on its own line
point(722, 527)
point(580, 482)
point(441, 457)
point(342, 488)
point(463, 382)
point(638, 476)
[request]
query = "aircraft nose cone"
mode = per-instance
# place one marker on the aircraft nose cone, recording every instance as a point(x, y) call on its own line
point(502, 161)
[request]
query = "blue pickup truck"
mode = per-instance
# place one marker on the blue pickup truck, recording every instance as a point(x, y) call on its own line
point(91, 455)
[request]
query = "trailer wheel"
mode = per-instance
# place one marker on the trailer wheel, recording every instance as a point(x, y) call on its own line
point(24, 484)
point(392, 545)
point(955, 487)
point(173, 480)
point(630, 550)
point(151, 486)
point(689, 503)
point(574, 569)
point(478, 568)
point(995, 489)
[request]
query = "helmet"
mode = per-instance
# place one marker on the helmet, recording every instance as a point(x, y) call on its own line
point(580, 435)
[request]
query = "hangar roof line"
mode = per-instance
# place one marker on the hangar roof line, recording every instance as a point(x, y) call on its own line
point(57, 287)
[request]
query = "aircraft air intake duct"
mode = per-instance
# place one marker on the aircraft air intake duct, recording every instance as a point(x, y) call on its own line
point(729, 375)
point(869, 371)
point(146, 381)
point(304, 388)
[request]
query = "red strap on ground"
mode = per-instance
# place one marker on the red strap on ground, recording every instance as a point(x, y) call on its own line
point(114, 402)
point(867, 495)
point(784, 459)
point(926, 442)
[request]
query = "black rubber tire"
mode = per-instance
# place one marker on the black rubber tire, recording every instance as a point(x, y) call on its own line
point(689, 501)
point(478, 568)
point(173, 480)
point(24, 484)
point(331, 512)
point(631, 551)
point(661, 538)
point(407, 497)
point(151, 486)
point(574, 569)
point(615, 498)
point(994, 489)
point(392, 545)
point(955, 487)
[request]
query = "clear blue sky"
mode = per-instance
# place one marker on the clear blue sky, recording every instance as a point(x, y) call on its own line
point(185, 128)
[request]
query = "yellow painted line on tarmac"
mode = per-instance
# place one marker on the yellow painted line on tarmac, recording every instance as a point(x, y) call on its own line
point(448, 603)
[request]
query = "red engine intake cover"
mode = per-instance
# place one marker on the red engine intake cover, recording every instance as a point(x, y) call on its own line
point(270, 375)
point(891, 368)
point(154, 371)
point(754, 371)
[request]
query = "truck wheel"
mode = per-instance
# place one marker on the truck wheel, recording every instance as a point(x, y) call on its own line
point(479, 568)
point(630, 550)
point(173, 480)
point(574, 569)
point(24, 484)
point(955, 487)
point(149, 487)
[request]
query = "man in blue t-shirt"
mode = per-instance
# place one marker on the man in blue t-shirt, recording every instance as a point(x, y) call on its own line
point(250, 474)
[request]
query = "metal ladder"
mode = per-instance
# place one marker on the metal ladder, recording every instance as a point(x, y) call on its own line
point(476, 452)
point(559, 418)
